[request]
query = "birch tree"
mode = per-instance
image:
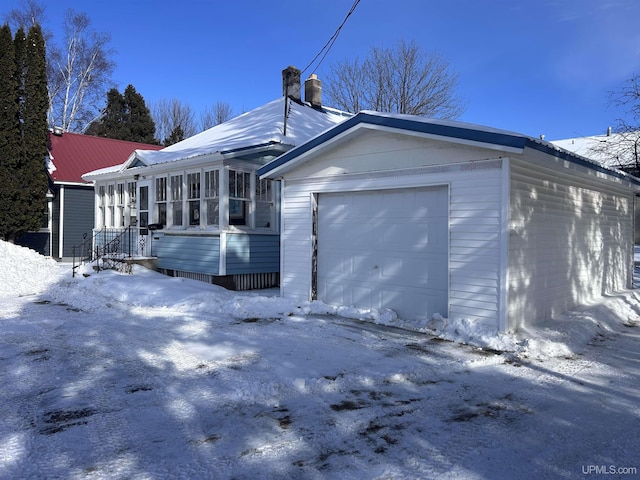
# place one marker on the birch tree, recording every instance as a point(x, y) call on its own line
point(80, 74)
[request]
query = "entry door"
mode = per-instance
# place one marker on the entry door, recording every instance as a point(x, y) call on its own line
point(385, 249)
point(144, 215)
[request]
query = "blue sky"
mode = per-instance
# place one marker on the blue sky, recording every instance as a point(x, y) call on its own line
point(530, 66)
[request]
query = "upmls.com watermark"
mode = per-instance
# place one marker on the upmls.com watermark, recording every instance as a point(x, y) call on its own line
point(608, 470)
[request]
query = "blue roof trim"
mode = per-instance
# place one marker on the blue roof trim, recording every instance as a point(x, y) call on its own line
point(579, 160)
point(249, 147)
point(505, 139)
point(483, 136)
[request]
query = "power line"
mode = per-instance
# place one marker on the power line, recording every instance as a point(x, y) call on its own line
point(332, 40)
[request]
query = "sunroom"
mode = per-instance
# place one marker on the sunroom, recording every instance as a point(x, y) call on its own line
point(208, 218)
point(196, 209)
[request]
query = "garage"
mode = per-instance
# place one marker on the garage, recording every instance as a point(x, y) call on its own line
point(494, 230)
point(384, 249)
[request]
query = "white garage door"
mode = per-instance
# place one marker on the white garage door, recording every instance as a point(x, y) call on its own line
point(385, 249)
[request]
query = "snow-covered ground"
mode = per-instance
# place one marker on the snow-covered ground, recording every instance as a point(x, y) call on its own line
point(142, 376)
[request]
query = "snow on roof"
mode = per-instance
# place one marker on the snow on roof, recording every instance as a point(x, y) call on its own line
point(261, 126)
point(599, 149)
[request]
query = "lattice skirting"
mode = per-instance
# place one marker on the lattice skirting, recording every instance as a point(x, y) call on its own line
point(246, 281)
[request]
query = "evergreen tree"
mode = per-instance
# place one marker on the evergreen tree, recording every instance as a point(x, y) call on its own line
point(126, 117)
point(112, 122)
point(10, 138)
point(31, 175)
point(177, 135)
point(24, 132)
point(142, 128)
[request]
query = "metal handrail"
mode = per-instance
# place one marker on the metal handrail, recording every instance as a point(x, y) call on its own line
point(112, 251)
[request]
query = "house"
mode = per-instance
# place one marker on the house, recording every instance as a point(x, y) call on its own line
point(427, 217)
point(201, 212)
point(613, 149)
point(70, 198)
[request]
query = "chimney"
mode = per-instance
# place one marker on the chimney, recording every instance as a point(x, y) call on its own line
point(291, 83)
point(608, 131)
point(313, 91)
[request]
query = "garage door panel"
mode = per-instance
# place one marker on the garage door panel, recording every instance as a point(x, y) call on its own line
point(385, 249)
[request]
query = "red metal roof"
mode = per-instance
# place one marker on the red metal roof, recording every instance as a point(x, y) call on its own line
point(75, 154)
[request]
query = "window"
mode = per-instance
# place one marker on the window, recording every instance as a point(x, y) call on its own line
point(110, 205)
point(130, 209)
point(119, 216)
point(176, 199)
point(265, 206)
point(131, 192)
point(193, 198)
point(211, 196)
point(239, 196)
point(161, 200)
point(101, 204)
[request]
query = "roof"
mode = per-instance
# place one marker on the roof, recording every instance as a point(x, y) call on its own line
point(460, 132)
point(263, 126)
point(612, 149)
point(73, 154)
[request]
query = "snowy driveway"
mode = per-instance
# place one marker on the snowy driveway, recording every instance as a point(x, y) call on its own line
point(148, 377)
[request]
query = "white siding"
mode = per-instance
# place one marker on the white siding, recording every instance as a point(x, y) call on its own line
point(475, 227)
point(380, 150)
point(570, 241)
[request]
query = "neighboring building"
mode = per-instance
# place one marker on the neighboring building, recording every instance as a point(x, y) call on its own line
point(619, 150)
point(71, 199)
point(200, 210)
point(433, 217)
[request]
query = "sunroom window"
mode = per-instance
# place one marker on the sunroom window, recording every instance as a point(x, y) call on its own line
point(211, 196)
point(176, 199)
point(110, 205)
point(119, 218)
point(161, 200)
point(193, 198)
point(101, 203)
point(264, 203)
point(239, 197)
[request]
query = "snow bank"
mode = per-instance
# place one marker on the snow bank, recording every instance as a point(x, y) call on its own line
point(145, 292)
point(24, 271)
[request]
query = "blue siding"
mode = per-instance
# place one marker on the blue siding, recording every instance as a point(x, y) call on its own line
point(196, 254)
point(78, 217)
point(253, 253)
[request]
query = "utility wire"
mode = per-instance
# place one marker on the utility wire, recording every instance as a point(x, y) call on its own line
point(332, 40)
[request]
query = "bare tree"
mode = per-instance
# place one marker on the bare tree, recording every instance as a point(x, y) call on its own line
point(403, 79)
point(79, 74)
point(78, 69)
point(215, 114)
point(168, 115)
point(30, 14)
point(622, 147)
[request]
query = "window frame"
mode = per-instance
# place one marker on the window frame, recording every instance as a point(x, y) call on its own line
point(210, 199)
point(160, 201)
point(193, 198)
point(176, 189)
